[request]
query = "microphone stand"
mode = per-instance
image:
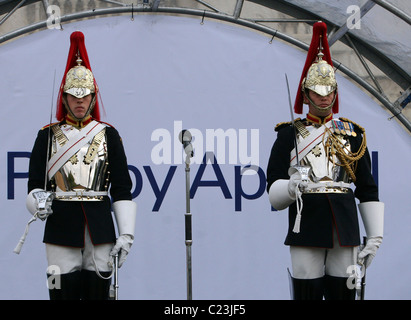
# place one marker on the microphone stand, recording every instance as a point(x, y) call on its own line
point(188, 235)
point(185, 138)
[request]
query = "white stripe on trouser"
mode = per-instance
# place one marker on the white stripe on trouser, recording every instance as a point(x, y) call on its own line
point(68, 259)
point(312, 263)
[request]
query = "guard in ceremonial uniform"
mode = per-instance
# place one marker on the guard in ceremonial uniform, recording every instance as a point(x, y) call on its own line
point(332, 156)
point(82, 160)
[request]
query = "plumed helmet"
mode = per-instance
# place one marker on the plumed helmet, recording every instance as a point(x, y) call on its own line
point(318, 73)
point(320, 77)
point(78, 79)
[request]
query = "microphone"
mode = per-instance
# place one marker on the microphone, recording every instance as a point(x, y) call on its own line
point(185, 138)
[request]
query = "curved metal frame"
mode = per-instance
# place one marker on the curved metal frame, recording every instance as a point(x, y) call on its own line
point(154, 8)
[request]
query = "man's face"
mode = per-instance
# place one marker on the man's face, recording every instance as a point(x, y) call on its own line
point(321, 101)
point(79, 106)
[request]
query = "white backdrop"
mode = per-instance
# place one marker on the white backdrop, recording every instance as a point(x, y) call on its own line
point(157, 75)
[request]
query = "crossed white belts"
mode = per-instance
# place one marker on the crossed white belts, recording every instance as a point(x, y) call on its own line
point(71, 147)
point(305, 146)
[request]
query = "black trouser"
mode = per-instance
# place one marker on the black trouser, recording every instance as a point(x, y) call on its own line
point(329, 287)
point(84, 284)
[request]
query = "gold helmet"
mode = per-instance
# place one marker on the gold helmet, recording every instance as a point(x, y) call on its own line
point(318, 73)
point(320, 77)
point(79, 81)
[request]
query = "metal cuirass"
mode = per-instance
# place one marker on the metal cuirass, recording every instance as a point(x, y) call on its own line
point(326, 172)
point(324, 165)
point(85, 173)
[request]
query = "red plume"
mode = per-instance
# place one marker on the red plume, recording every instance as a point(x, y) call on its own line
point(319, 35)
point(77, 45)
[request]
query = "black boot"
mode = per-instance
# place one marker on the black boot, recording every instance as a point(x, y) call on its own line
point(307, 289)
point(65, 286)
point(94, 287)
point(336, 289)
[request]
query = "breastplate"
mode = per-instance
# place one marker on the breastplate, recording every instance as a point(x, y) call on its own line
point(325, 165)
point(86, 170)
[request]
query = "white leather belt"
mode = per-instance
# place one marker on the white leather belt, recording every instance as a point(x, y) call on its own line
point(327, 187)
point(81, 195)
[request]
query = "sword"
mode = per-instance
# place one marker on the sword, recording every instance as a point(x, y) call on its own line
point(113, 293)
point(49, 132)
point(291, 284)
point(304, 170)
point(292, 120)
point(362, 295)
point(49, 196)
point(116, 277)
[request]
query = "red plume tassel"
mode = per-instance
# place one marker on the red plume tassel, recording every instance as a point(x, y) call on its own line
point(77, 45)
point(319, 36)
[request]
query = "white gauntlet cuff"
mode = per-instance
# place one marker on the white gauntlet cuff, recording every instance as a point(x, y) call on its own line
point(125, 212)
point(372, 214)
point(279, 196)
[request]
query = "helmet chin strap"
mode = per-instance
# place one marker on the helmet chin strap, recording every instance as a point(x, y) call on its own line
point(318, 108)
point(90, 108)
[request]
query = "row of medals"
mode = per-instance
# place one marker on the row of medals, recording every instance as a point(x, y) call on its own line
point(344, 128)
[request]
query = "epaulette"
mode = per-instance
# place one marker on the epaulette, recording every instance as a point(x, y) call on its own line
point(356, 125)
point(110, 125)
point(49, 125)
point(284, 124)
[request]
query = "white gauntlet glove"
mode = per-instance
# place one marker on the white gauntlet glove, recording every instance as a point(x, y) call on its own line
point(372, 214)
point(125, 212)
point(368, 253)
point(121, 248)
point(296, 184)
point(39, 202)
point(284, 192)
